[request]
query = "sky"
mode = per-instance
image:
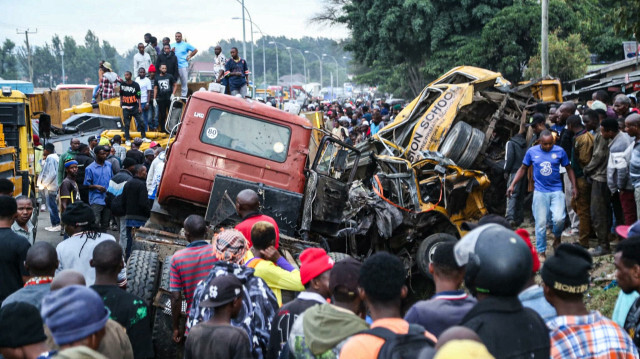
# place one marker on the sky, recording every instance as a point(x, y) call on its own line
point(123, 23)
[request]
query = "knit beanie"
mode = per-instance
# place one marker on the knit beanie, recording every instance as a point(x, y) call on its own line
point(73, 313)
point(78, 214)
point(313, 262)
point(568, 269)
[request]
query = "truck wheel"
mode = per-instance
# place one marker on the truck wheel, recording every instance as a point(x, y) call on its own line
point(456, 141)
point(338, 256)
point(427, 247)
point(164, 346)
point(473, 149)
point(142, 275)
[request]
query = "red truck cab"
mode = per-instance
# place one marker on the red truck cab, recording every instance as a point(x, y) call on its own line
point(241, 140)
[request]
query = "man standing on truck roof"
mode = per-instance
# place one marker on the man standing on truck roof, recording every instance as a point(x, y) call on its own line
point(145, 97)
point(131, 107)
point(184, 52)
point(149, 49)
point(108, 83)
point(167, 57)
point(237, 72)
point(164, 88)
point(69, 155)
point(248, 208)
point(219, 63)
point(97, 177)
point(141, 59)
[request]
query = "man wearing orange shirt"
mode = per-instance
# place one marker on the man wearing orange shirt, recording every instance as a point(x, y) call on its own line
point(382, 288)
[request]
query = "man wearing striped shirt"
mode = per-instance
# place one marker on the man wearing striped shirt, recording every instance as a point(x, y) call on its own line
point(188, 267)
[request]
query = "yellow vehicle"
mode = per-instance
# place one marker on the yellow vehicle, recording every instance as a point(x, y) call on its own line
point(17, 140)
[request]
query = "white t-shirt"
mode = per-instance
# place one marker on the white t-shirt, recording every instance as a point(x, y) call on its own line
point(145, 86)
point(76, 251)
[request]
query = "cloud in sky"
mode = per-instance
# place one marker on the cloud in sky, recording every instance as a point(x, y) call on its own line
point(123, 23)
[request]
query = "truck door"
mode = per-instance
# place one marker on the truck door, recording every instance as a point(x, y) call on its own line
point(327, 191)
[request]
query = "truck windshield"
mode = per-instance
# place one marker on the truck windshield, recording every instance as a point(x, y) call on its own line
point(247, 135)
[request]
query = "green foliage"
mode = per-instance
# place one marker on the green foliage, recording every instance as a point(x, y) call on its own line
point(8, 61)
point(80, 61)
point(568, 58)
point(625, 17)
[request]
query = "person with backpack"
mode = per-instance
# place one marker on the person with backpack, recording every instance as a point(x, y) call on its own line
point(498, 266)
point(114, 197)
point(382, 288)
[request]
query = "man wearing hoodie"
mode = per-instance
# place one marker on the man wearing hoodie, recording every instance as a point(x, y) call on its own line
point(47, 181)
point(514, 154)
point(315, 268)
point(322, 330)
point(108, 83)
point(618, 171)
point(116, 186)
point(168, 58)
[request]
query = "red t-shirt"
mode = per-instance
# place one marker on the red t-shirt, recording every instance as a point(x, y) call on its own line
point(246, 225)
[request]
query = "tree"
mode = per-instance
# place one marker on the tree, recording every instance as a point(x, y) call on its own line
point(625, 17)
point(568, 58)
point(8, 61)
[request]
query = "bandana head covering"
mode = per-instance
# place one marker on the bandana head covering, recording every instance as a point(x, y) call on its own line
point(230, 246)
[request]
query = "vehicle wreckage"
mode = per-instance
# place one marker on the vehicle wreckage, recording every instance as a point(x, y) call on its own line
point(405, 190)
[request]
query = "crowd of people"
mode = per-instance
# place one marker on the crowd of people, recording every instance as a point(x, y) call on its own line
point(70, 301)
point(581, 164)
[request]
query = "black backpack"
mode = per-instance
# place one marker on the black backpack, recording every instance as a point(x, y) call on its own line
point(401, 346)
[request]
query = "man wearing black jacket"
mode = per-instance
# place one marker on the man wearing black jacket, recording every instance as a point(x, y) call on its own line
point(115, 189)
point(135, 201)
point(514, 154)
point(167, 57)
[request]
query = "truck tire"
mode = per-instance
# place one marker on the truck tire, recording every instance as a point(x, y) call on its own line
point(142, 275)
point(472, 150)
point(426, 248)
point(456, 141)
point(164, 346)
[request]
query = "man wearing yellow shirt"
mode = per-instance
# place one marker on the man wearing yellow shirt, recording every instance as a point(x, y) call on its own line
point(269, 264)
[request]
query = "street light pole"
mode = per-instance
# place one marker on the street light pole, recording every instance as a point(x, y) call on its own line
point(62, 57)
point(244, 38)
point(290, 72)
point(264, 66)
point(337, 70)
point(304, 64)
point(320, 60)
point(277, 64)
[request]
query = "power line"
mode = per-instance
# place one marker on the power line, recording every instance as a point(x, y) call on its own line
point(26, 32)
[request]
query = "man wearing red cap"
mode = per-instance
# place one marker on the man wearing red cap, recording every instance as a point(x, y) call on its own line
point(153, 105)
point(532, 296)
point(315, 268)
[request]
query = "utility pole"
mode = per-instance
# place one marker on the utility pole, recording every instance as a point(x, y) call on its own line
point(30, 63)
point(244, 38)
point(544, 43)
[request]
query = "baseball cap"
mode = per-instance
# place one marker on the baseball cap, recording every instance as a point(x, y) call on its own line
point(313, 262)
point(486, 219)
point(629, 231)
point(222, 290)
point(365, 123)
point(536, 119)
point(20, 325)
point(149, 152)
point(92, 138)
point(344, 275)
point(153, 144)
